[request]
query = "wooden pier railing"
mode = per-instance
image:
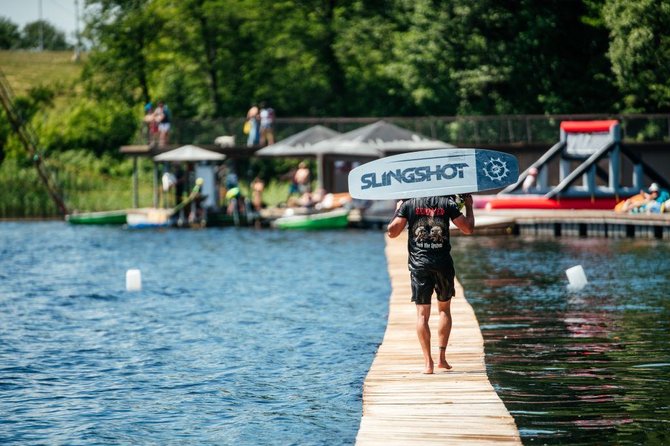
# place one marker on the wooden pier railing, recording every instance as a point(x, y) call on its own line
point(402, 406)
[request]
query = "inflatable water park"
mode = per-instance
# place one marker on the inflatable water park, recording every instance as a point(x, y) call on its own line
point(595, 171)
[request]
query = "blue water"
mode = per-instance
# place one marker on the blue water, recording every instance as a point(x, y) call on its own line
point(238, 337)
point(264, 337)
point(579, 368)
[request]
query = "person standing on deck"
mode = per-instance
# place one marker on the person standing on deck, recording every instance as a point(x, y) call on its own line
point(302, 178)
point(430, 264)
point(253, 123)
point(267, 122)
point(163, 116)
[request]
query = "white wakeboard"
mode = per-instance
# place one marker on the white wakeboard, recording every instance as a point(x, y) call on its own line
point(433, 172)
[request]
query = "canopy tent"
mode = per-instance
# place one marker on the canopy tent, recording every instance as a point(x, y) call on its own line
point(374, 141)
point(189, 153)
point(299, 144)
point(195, 154)
point(303, 144)
point(362, 144)
point(378, 139)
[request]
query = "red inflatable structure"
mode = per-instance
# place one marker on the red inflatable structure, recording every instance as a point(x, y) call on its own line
point(589, 157)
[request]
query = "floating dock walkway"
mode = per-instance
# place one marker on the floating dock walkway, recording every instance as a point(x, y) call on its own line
point(402, 406)
point(557, 223)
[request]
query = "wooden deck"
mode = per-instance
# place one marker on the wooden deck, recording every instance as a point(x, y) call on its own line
point(402, 406)
point(558, 223)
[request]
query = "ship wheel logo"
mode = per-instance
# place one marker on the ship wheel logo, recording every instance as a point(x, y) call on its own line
point(496, 169)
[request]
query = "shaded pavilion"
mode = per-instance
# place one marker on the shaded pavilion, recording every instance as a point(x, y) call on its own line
point(336, 156)
point(302, 145)
point(205, 168)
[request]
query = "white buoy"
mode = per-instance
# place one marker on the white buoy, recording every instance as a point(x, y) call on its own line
point(133, 280)
point(576, 278)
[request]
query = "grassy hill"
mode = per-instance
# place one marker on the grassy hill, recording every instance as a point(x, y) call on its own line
point(26, 69)
point(86, 184)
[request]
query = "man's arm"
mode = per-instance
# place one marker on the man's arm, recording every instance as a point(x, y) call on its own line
point(466, 223)
point(397, 224)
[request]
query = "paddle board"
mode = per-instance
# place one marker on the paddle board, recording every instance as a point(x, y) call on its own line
point(433, 172)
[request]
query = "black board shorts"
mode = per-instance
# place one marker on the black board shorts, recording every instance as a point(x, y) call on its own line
point(424, 282)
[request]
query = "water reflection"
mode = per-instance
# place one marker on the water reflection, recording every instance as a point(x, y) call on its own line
point(575, 368)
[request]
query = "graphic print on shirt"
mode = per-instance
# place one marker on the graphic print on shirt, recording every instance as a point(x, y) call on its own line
point(428, 233)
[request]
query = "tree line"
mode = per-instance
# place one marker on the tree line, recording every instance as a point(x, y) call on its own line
point(33, 35)
point(214, 58)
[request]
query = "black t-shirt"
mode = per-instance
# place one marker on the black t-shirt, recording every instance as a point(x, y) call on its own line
point(428, 226)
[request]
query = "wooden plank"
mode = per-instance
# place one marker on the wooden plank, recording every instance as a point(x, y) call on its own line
point(402, 406)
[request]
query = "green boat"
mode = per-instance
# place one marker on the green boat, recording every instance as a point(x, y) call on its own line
point(336, 219)
point(98, 218)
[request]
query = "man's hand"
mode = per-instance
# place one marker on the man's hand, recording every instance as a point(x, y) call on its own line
point(467, 200)
point(466, 223)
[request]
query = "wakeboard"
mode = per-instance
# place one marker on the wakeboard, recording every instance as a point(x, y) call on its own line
point(433, 172)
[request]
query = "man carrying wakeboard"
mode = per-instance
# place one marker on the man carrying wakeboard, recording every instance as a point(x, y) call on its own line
point(430, 264)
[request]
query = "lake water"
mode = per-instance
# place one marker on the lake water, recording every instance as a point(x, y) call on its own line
point(239, 336)
point(265, 337)
point(579, 368)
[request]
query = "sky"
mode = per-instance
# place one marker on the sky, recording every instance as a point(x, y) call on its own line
point(60, 13)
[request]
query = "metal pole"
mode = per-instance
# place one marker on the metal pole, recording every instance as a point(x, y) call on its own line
point(320, 170)
point(156, 186)
point(41, 26)
point(136, 198)
point(77, 47)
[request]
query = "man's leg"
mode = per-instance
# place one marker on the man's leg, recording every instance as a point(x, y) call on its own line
point(443, 332)
point(423, 332)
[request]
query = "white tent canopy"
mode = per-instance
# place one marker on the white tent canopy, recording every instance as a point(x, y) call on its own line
point(378, 139)
point(300, 144)
point(189, 153)
point(371, 141)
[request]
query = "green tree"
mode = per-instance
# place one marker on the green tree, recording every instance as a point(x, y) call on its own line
point(9, 34)
point(239, 52)
point(120, 63)
point(291, 58)
point(26, 108)
point(364, 48)
point(44, 34)
point(5, 131)
point(557, 59)
point(213, 58)
point(201, 48)
point(97, 126)
point(443, 56)
point(640, 52)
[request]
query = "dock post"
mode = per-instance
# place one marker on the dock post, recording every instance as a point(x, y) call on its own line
point(136, 197)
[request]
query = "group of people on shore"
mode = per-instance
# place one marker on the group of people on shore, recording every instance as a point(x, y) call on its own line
point(157, 120)
point(177, 177)
point(259, 125)
point(653, 201)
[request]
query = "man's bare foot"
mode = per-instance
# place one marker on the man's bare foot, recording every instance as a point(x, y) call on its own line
point(429, 368)
point(444, 365)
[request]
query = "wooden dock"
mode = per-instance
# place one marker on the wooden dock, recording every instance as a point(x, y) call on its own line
point(402, 406)
point(585, 223)
point(553, 223)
